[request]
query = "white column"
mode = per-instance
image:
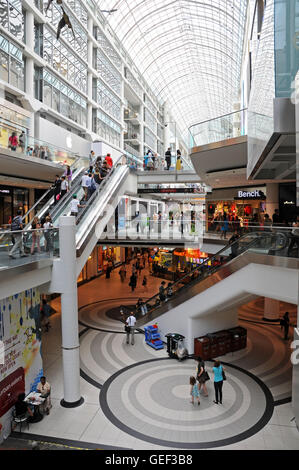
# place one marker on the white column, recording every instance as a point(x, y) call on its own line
point(271, 309)
point(89, 117)
point(141, 114)
point(69, 314)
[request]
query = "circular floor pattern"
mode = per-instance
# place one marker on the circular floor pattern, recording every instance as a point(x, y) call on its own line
point(150, 401)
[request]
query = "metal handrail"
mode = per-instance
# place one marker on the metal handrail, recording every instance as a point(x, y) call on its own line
point(215, 118)
point(213, 258)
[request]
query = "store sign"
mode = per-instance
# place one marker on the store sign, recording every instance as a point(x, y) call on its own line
point(251, 195)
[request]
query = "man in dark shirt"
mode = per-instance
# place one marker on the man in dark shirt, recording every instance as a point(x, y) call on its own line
point(235, 246)
point(276, 217)
point(56, 188)
point(168, 158)
point(21, 407)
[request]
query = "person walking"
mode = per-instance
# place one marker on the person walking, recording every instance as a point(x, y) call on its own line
point(131, 322)
point(194, 391)
point(144, 284)
point(218, 381)
point(202, 376)
point(162, 290)
point(122, 273)
point(109, 269)
point(35, 226)
point(224, 227)
point(17, 226)
point(47, 226)
point(91, 157)
point(133, 281)
point(285, 324)
point(168, 158)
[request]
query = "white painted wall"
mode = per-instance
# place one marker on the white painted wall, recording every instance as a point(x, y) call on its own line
point(207, 312)
point(56, 135)
point(101, 149)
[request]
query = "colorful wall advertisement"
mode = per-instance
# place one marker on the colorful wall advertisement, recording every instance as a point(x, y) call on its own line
point(20, 334)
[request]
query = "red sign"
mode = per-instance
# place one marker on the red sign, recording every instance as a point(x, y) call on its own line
point(10, 388)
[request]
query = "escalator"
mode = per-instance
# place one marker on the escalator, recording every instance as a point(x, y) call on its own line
point(267, 248)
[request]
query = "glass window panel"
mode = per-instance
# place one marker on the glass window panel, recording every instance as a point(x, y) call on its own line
point(4, 66)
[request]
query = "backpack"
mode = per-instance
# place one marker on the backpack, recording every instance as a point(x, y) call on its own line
point(16, 225)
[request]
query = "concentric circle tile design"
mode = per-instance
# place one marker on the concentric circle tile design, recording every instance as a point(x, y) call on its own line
point(151, 401)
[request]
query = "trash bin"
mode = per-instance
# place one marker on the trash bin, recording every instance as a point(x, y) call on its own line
point(226, 339)
point(242, 333)
point(173, 340)
point(221, 337)
point(202, 347)
point(214, 351)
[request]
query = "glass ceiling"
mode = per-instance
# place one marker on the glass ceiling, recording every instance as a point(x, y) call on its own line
point(189, 51)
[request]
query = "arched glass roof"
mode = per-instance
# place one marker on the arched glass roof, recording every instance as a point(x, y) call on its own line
point(189, 51)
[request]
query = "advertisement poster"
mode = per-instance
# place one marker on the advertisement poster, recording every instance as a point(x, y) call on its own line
point(20, 332)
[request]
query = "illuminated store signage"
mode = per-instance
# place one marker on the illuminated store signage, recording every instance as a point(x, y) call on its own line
point(251, 195)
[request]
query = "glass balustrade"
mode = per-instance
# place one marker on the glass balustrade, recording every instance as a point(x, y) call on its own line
point(29, 146)
point(266, 241)
point(26, 246)
point(225, 127)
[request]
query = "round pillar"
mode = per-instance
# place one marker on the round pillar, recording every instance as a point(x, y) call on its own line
point(271, 310)
point(69, 314)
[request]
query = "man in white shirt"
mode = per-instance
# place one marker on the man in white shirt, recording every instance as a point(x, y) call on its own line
point(75, 204)
point(131, 322)
point(64, 186)
point(85, 183)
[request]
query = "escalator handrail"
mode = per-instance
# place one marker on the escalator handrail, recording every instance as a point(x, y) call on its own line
point(69, 195)
point(43, 197)
point(215, 268)
point(98, 190)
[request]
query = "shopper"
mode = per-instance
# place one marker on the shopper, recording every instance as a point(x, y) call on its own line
point(276, 218)
point(92, 186)
point(22, 408)
point(218, 381)
point(285, 324)
point(294, 236)
point(133, 281)
point(48, 233)
point(144, 284)
point(169, 290)
point(17, 226)
point(179, 160)
point(194, 391)
point(122, 273)
point(224, 227)
point(56, 189)
point(162, 290)
point(91, 157)
point(109, 160)
point(168, 158)
point(13, 141)
point(68, 174)
point(202, 376)
point(75, 205)
point(85, 184)
point(109, 269)
point(36, 234)
point(22, 138)
point(131, 322)
point(234, 246)
point(64, 186)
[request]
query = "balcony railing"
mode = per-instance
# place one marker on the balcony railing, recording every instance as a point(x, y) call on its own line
point(29, 146)
point(221, 128)
point(132, 136)
point(26, 246)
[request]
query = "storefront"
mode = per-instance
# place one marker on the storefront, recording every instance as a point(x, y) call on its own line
point(186, 260)
point(238, 204)
point(11, 200)
point(98, 261)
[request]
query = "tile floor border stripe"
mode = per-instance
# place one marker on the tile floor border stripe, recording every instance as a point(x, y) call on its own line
point(187, 445)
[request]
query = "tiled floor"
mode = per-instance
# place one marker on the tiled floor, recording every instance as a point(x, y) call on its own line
point(147, 406)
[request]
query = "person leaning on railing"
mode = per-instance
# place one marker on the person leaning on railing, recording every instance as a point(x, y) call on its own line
point(17, 238)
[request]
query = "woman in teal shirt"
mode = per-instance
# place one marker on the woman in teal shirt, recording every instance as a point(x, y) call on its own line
point(218, 381)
